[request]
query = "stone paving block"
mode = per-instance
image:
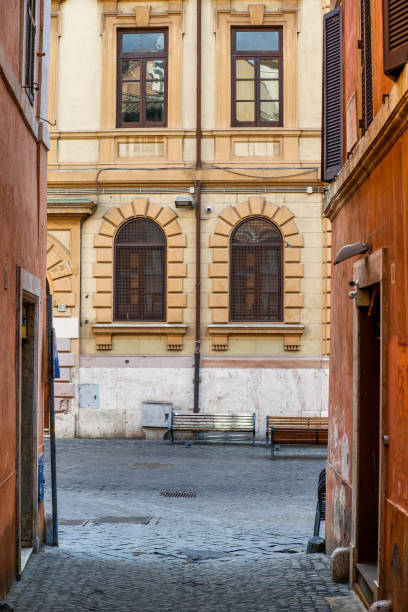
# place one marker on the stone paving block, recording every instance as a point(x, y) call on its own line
point(239, 545)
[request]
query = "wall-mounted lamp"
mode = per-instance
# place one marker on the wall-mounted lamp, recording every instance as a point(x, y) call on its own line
point(184, 202)
point(350, 250)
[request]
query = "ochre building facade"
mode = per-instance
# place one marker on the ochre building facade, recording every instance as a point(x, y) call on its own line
point(124, 183)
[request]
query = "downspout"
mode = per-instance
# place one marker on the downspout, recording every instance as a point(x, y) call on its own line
point(197, 352)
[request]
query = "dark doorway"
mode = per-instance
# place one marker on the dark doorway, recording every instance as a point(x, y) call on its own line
point(28, 427)
point(369, 388)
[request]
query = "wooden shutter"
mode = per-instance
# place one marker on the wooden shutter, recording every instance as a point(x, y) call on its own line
point(366, 66)
point(332, 142)
point(395, 34)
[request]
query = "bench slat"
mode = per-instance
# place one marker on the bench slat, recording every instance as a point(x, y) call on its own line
point(211, 422)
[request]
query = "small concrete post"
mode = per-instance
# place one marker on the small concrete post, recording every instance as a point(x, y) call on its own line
point(340, 564)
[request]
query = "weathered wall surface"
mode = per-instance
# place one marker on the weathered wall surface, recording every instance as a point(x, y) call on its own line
point(22, 244)
point(376, 212)
point(111, 390)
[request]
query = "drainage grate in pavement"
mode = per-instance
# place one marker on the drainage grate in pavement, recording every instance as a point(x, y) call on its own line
point(136, 520)
point(73, 522)
point(151, 465)
point(178, 494)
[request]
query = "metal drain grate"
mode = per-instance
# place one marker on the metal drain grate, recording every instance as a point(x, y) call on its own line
point(136, 520)
point(178, 494)
point(151, 465)
point(73, 522)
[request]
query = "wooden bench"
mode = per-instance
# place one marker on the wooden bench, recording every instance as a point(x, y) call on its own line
point(211, 422)
point(295, 430)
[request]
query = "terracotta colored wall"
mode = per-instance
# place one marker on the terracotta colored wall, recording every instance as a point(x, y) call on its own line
point(377, 212)
point(22, 243)
point(352, 57)
point(10, 31)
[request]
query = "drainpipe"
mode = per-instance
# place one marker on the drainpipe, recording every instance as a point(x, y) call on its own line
point(197, 352)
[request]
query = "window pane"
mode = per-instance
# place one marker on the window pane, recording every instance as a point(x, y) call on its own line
point(245, 90)
point(131, 91)
point(257, 40)
point(143, 42)
point(155, 110)
point(269, 68)
point(245, 111)
point(155, 69)
point(269, 111)
point(269, 90)
point(130, 70)
point(245, 68)
point(131, 113)
point(154, 90)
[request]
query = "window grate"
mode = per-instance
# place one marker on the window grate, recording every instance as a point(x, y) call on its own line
point(30, 34)
point(256, 272)
point(140, 263)
point(188, 494)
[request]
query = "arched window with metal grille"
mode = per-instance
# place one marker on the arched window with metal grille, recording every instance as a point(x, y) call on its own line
point(140, 272)
point(256, 272)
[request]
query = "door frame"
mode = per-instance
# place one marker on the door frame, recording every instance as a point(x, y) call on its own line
point(368, 271)
point(28, 290)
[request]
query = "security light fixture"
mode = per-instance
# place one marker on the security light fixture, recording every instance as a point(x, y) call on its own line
point(350, 250)
point(184, 202)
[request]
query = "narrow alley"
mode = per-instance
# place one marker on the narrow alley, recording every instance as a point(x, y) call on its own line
point(235, 541)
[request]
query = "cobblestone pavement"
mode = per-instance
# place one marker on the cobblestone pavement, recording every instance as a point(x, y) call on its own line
point(236, 543)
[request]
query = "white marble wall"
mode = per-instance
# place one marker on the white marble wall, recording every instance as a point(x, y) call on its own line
point(121, 391)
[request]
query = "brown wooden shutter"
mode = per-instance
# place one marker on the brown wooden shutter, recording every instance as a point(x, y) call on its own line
point(395, 34)
point(332, 142)
point(366, 65)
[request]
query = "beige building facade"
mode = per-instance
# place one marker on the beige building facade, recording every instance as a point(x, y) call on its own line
point(123, 189)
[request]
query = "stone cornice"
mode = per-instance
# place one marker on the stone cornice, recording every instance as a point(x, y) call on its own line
point(388, 125)
point(105, 331)
point(291, 333)
point(68, 207)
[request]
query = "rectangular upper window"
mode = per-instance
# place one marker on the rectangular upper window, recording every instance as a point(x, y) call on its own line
point(142, 78)
point(257, 84)
point(29, 44)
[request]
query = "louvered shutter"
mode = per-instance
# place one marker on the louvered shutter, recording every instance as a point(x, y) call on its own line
point(395, 34)
point(332, 142)
point(366, 65)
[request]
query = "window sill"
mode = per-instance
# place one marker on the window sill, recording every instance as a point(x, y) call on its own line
point(105, 331)
point(290, 332)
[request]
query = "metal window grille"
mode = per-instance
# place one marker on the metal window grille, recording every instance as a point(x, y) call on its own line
point(140, 267)
point(256, 272)
point(30, 34)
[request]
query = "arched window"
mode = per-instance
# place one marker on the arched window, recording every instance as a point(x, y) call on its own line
point(256, 272)
point(140, 268)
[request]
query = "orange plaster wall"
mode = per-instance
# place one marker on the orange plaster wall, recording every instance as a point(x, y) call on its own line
point(376, 212)
point(10, 31)
point(22, 243)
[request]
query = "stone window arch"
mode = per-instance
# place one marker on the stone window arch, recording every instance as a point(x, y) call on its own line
point(140, 272)
point(172, 325)
point(289, 327)
point(256, 271)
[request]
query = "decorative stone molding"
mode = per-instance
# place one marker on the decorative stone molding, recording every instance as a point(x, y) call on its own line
point(149, 15)
point(105, 331)
point(274, 14)
point(176, 272)
point(291, 333)
point(59, 274)
point(282, 217)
